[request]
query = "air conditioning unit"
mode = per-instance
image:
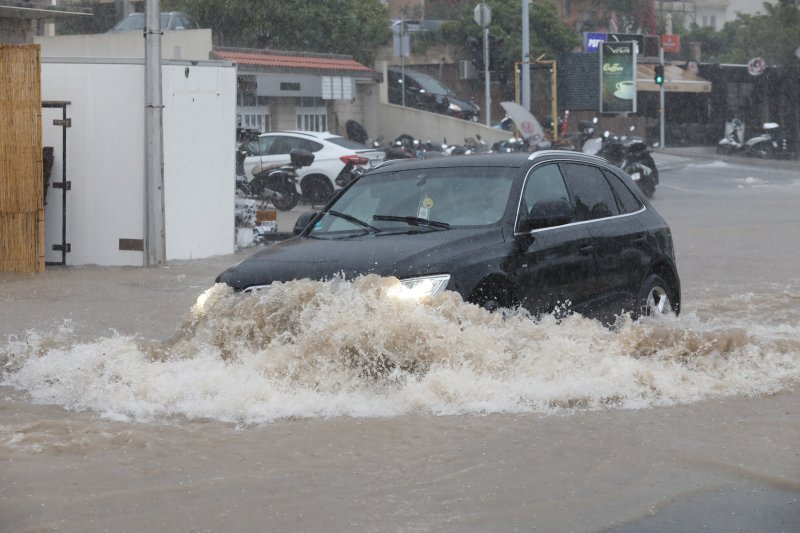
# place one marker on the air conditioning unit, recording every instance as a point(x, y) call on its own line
point(466, 70)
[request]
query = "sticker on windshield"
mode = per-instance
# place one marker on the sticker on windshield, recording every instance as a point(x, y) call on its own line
point(425, 207)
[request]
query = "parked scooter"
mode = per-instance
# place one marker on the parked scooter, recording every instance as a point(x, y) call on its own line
point(276, 183)
point(631, 155)
point(575, 141)
point(772, 142)
point(733, 141)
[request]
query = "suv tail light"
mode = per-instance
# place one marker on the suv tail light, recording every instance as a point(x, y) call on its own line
point(354, 159)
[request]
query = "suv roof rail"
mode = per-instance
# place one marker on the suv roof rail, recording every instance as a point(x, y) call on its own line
point(546, 153)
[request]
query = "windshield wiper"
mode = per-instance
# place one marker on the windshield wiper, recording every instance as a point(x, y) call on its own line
point(413, 221)
point(354, 220)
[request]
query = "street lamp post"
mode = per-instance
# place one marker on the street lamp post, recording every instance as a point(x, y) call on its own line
point(483, 17)
point(526, 51)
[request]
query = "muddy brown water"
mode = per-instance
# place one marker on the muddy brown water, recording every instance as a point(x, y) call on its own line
point(336, 407)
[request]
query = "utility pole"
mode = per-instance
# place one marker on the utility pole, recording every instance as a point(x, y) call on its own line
point(154, 234)
point(526, 52)
point(402, 61)
point(487, 81)
point(482, 15)
point(661, 99)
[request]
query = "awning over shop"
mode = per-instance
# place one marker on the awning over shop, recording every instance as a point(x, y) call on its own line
point(676, 80)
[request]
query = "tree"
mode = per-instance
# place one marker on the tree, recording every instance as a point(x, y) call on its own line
point(631, 16)
point(354, 27)
point(548, 34)
point(773, 36)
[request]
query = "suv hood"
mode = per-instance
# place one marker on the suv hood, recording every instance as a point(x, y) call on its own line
point(390, 254)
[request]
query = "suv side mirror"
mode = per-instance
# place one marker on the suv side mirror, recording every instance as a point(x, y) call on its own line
point(303, 221)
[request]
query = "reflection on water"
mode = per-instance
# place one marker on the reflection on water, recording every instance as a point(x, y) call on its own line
point(313, 349)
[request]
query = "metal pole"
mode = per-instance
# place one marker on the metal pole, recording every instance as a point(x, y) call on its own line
point(487, 81)
point(526, 50)
point(402, 61)
point(155, 238)
point(554, 98)
point(661, 100)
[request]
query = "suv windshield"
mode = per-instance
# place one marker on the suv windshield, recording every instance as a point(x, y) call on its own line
point(430, 199)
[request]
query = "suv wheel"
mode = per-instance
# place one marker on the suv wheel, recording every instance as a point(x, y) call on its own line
point(654, 298)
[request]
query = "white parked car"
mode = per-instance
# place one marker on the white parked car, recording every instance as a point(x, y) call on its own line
point(331, 154)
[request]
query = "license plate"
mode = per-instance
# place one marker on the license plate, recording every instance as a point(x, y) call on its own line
point(636, 176)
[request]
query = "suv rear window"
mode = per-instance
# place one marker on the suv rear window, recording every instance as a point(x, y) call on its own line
point(629, 202)
point(346, 143)
point(592, 195)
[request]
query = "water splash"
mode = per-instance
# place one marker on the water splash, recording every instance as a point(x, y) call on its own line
point(340, 348)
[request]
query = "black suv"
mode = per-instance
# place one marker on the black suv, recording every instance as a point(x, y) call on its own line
point(548, 230)
point(427, 93)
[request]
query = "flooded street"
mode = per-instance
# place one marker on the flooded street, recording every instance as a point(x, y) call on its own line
point(332, 406)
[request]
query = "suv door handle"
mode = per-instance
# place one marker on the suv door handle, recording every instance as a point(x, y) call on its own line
point(586, 250)
point(640, 241)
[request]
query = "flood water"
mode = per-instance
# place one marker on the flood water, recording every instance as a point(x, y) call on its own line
point(336, 406)
point(327, 349)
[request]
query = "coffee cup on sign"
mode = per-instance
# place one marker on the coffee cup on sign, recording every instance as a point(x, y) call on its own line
point(626, 90)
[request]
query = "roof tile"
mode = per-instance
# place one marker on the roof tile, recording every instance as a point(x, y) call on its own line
point(283, 60)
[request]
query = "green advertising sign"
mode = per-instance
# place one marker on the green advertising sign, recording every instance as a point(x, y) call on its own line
point(618, 77)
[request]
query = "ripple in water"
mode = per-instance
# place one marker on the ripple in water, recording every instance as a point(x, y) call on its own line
point(323, 349)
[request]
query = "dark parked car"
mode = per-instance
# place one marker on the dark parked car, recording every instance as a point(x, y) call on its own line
point(541, 230)
point(173, 20)
point(427, 93)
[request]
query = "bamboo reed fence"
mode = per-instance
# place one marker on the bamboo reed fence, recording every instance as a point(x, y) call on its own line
point(21, 181)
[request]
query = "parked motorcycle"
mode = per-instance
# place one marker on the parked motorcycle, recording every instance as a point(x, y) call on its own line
point(631, 155)
point(773, 141)
point(276, 183)
point(733, 141)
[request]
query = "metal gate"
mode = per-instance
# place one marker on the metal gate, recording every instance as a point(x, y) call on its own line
point(64, 122)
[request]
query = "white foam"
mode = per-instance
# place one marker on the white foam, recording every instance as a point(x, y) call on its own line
point(313, 349)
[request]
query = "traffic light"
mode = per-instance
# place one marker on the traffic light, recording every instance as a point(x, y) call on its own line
point(475, 46)
point(659, 75)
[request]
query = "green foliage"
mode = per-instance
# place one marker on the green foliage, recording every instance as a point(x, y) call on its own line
point(355, 27)
point(548, 34)
point(772, 35)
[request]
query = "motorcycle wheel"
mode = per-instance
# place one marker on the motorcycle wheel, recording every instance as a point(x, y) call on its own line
point(288, 197)
point(762, 150)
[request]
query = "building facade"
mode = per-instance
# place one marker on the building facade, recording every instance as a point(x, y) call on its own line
point(280, 90)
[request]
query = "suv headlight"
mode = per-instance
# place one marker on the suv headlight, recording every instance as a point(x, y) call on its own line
point(419, 287)
point(454, 107)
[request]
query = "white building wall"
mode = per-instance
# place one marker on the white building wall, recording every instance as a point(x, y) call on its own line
point(175, 44)
point(105, 158)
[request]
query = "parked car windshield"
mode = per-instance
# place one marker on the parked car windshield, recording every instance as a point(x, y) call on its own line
point(136, 21)
point(419, 200)
point(432, 85)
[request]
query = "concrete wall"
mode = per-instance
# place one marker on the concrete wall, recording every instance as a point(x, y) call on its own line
point(15, 31)
point(390, 121)
point(394, 120)
point(175, 44)
point(105, 158)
